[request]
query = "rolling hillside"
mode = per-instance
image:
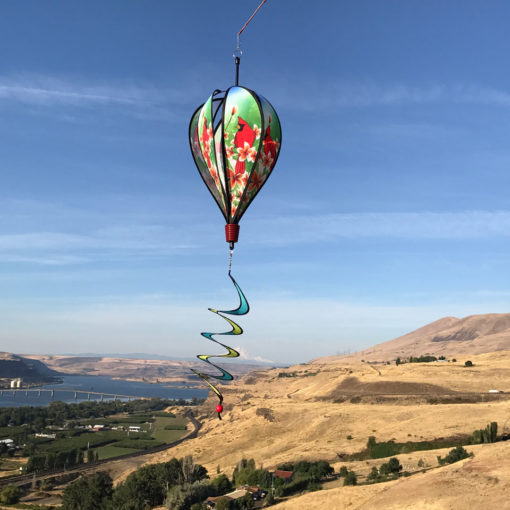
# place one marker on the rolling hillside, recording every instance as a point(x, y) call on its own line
point(449, 336)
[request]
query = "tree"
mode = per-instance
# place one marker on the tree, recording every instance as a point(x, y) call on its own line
point(454, 455)
point(181, 497)
point(93, 492)
point(351, 478)
point(487, 435)
point(343, 471)
point(391, 467)
point(222, 484)
point(468, 363)
point(373, 475)
point(10, 495)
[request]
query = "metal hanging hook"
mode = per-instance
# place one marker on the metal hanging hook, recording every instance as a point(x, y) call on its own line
point(238, 52)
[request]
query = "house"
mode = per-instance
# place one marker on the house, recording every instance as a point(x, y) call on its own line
point(8, 442)
point(134, 428)
point(96, 428)
point(286, 476)
point(48, 436)
point(496, 391)
point(256, 492)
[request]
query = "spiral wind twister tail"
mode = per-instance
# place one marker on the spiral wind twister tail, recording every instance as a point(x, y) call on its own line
point(242, 309)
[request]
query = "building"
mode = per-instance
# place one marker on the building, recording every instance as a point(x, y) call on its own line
point(16, 383)
point(286, 476)
point(135, 428)
point(256, 493)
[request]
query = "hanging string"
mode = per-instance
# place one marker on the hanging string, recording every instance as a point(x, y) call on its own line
point(242, 309)
point(238, 52)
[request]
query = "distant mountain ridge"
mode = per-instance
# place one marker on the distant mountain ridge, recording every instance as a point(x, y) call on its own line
point(30, 370)
point(449, 336)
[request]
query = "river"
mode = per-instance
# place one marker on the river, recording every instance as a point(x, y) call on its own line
point(65, 391)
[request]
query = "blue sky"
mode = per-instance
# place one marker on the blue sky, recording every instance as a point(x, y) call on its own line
point(388, 207)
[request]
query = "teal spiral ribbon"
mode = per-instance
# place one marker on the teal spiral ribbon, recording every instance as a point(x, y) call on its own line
point(242, 309)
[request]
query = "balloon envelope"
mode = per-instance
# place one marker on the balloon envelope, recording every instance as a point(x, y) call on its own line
point(235, 139)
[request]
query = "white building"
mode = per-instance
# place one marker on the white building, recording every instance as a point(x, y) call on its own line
point(16, 383)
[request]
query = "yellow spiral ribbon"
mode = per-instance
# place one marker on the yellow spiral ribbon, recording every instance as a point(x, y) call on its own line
point(242, 309)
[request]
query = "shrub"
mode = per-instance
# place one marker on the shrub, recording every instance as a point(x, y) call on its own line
point(373, 475)
point(351, 478)
point(343, 471)
point(468, 363)
point(10, 495)
point(392, 466)
point(454, 455)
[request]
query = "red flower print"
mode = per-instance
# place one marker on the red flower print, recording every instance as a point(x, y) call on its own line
point(244, 152)
point(252, 154)
point(267, 160)
point(237, 178)
point(230, 151)
point(234, 109)
point(256, 182)
point(256, 130)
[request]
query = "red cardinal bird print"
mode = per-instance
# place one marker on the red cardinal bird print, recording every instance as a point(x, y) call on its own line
point(243, 140)
point(269, 143)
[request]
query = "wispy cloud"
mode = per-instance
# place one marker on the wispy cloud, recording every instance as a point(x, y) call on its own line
point(312, 96)
point(47, 92)
point(310, 228)
point(122, 235)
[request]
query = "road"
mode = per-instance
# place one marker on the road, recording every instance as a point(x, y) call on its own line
point(92, 466)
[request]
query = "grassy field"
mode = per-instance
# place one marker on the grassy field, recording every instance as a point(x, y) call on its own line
point(109, 451)
point(167, 436)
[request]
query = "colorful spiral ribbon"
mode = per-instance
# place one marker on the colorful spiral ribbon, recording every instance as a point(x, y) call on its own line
point(242, 309)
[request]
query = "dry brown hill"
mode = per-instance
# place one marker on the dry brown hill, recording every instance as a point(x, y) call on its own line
point(478, 483)
point(449, 336)
point(131, 369)
point(324, 411)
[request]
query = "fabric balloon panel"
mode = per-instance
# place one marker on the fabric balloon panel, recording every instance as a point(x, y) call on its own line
point(242, 138)
point(207, 145)
point(271, 142)
point(203, 169)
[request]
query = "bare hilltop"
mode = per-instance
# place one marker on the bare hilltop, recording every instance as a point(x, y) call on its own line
point(449, 336)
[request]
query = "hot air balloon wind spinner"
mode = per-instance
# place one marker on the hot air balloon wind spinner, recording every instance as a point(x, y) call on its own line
point(235, 139)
